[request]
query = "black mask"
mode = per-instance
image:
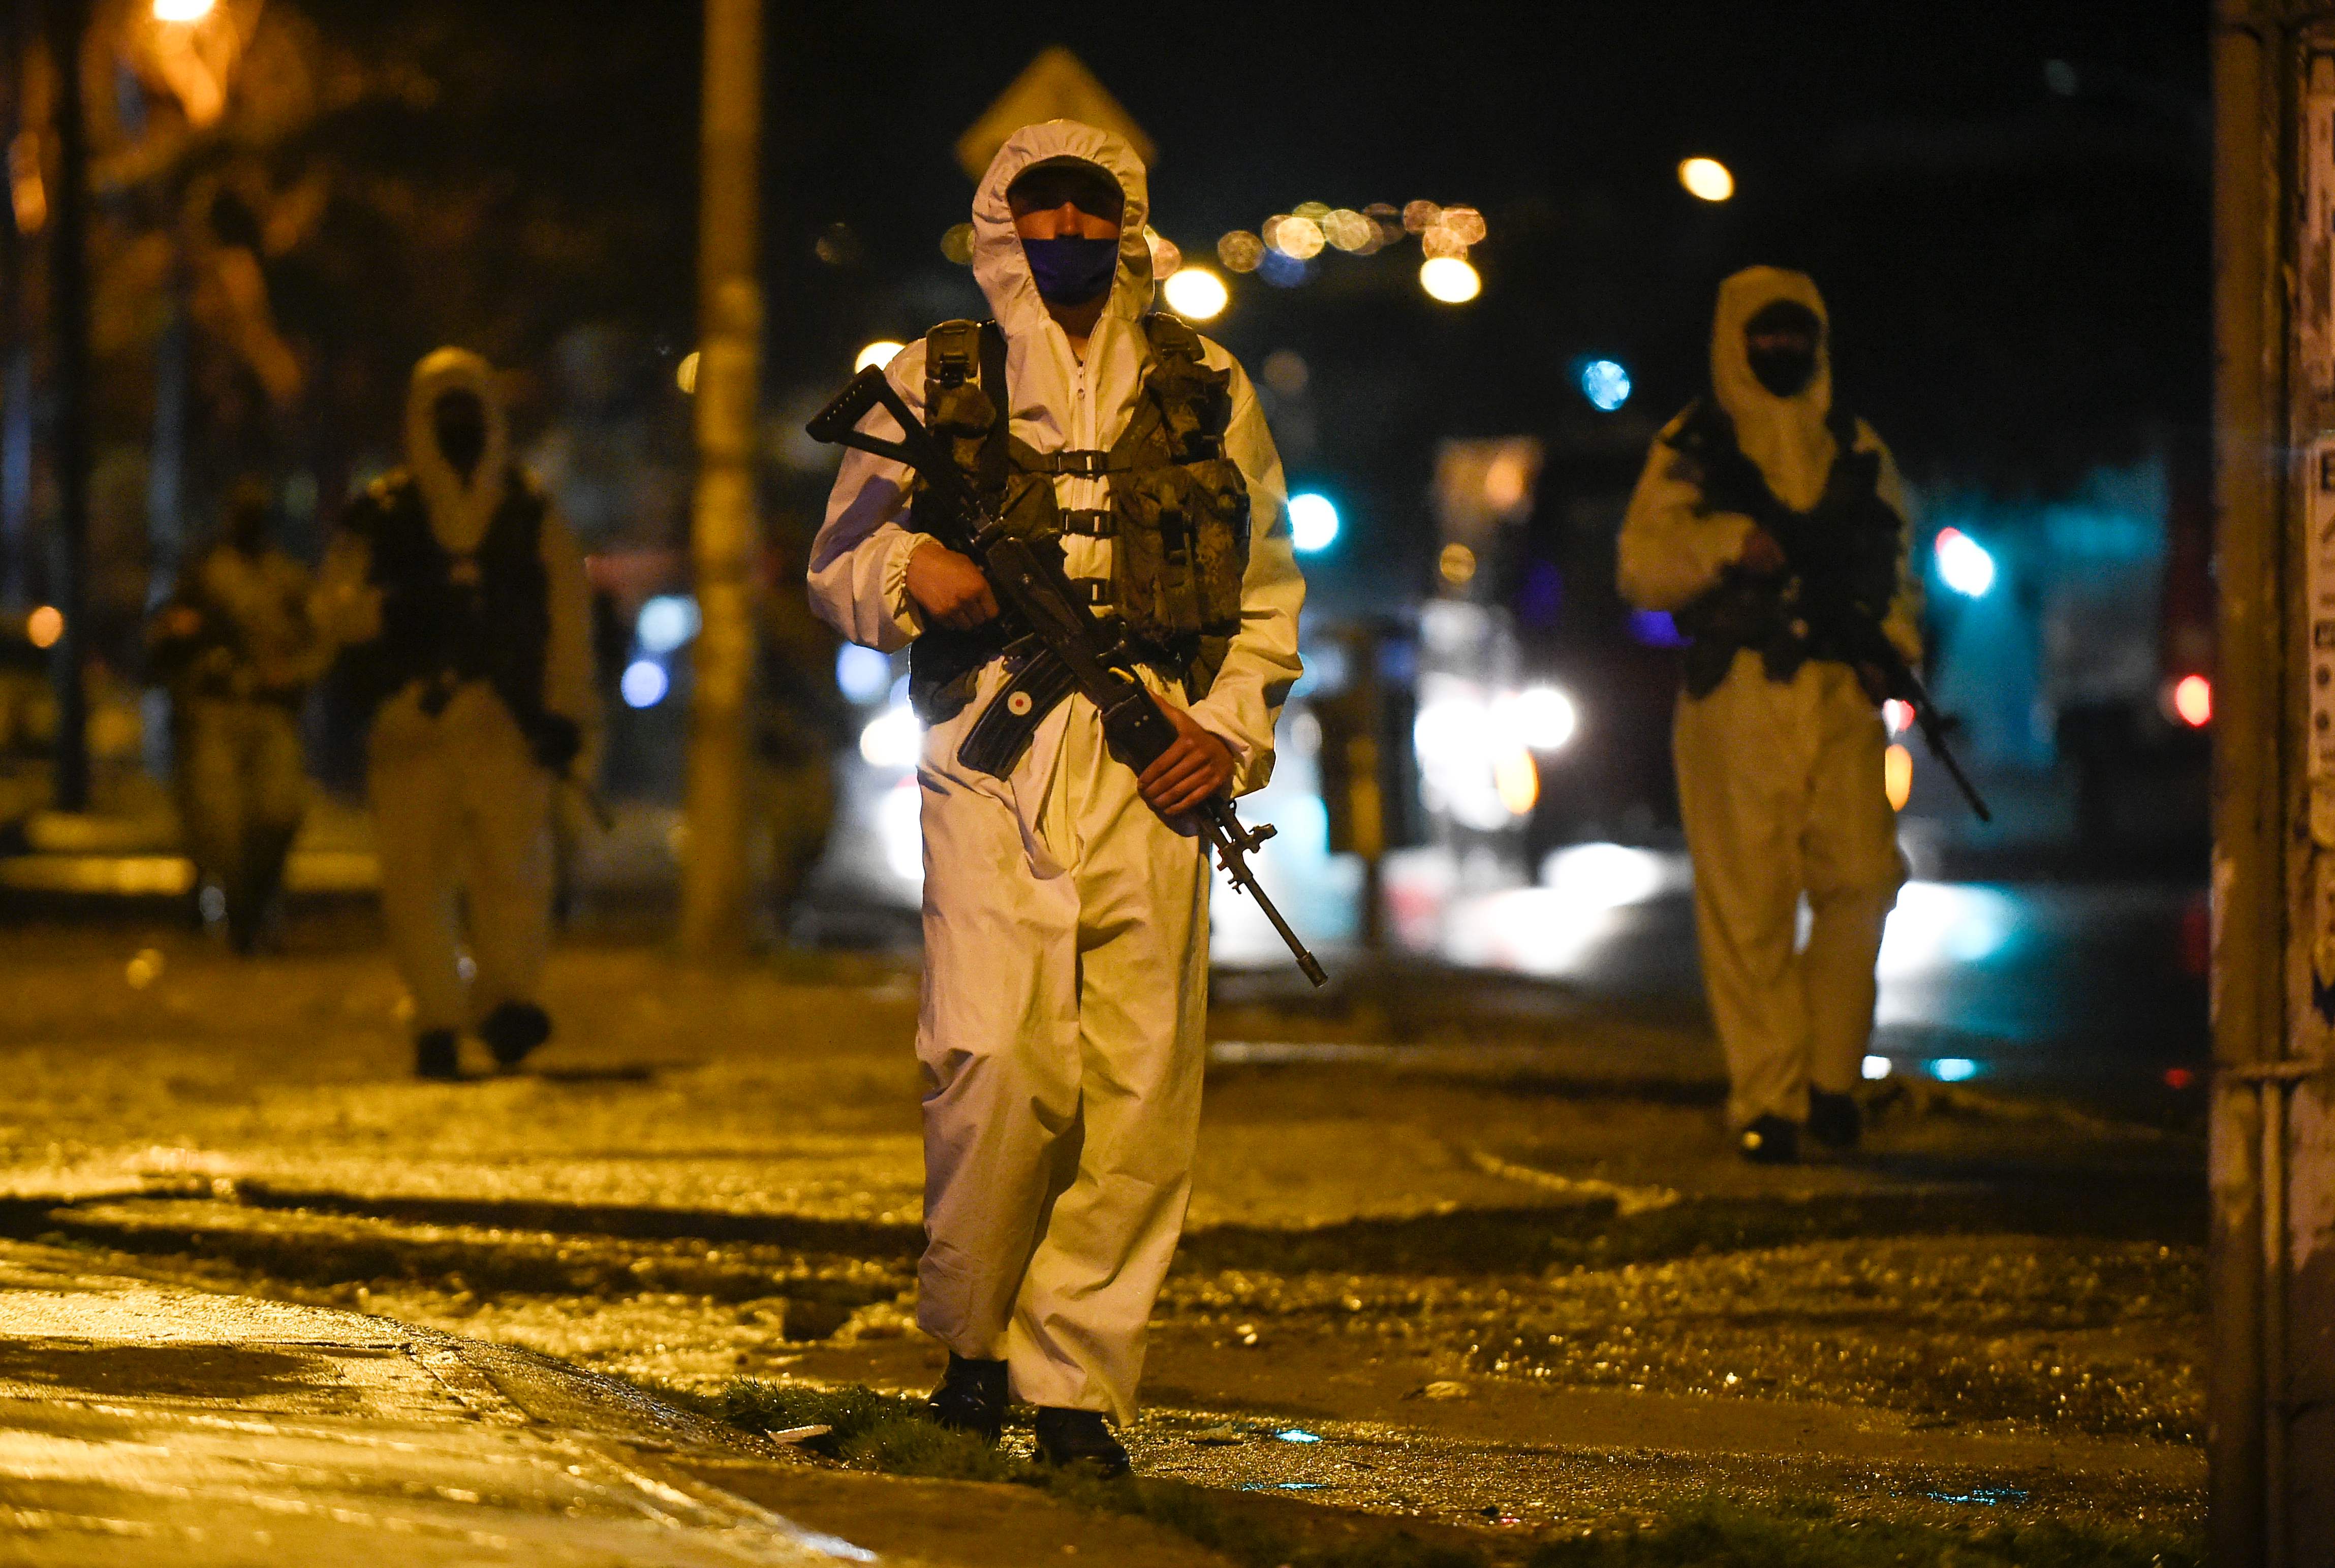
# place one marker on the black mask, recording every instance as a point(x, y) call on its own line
point(1072, 271)
point(459, 420)
point(1784, 369)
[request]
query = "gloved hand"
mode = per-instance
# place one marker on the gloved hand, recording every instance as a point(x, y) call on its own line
point(557, 740)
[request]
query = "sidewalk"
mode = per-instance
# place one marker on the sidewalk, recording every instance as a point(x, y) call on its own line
point(148, 1425)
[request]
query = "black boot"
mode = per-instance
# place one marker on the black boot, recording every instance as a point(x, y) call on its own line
point(1769, 1140)
point(513, 1031)
point(1833, 1119)
point(971, 1398)
point(434, 1056)
point(1079, 1437)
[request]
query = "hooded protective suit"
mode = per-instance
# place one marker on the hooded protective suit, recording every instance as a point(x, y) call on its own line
point(477, 688)
point(1065, 924)
point(1780, 781)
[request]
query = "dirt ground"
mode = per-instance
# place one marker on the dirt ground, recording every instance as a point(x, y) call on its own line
point(1501, 1271)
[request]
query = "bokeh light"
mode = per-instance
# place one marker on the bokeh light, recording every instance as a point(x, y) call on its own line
point(183, 10)
point(879, 352)
point(1543, 717)
point(44, 626)
point(1240, 251)
point(1349, 230)
point(1297, 236)
point(861, 675)
point(958, 244)
point(1963, 564)
point(1458, 564)
point(1195, 293)
point(1605, 383)
point(666, 622)
point(1441, 241)
point(1464, 221)
point(1897, 777)
point(1706, 178)
point(1312, 522)
point(1286, 372)
point(1419, 216)
point(684, 374)
point(644, 683)
point(2193, 701)
point(1450, 279)
point(893, 738)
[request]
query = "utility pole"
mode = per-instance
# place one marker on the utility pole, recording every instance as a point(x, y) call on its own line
point(724, 520)
point(2270, 1389)
point(69, 297)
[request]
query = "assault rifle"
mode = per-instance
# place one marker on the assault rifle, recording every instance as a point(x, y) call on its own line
point(1033, 591)
point(1840, 626)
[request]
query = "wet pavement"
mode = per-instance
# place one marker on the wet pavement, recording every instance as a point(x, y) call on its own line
point(1486, 1244)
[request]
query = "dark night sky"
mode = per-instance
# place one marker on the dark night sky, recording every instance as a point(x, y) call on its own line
point(2019, 274)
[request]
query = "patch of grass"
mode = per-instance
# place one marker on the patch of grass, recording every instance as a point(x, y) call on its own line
point(1716, 1534)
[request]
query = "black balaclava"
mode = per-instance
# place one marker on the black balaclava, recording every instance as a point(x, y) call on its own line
point(1784, 369)
point(459, 420)
point(1069, 271)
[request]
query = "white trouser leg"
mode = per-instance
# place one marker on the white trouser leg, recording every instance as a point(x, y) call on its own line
point(1742, 780)
point(505, 850)
point(412, 792)
point(1854, 869)
point(1780, 790)
point(1061, 1047)
point(1077, 1333)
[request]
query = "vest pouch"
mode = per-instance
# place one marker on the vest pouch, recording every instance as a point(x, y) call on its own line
point(963, 416)
point(1220, 544)
point(1153, 560)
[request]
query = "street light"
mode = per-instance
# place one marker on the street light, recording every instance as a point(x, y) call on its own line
point(1706, 178)
point(183, 10)
point(1195, 293)
point(1450, 279)
point(879, 352)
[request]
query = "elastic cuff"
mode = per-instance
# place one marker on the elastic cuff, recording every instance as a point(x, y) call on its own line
point(897, 601)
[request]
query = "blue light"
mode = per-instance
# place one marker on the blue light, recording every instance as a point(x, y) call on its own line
point(1312, 523)
point(644, 684)
point(862, 674)
point(1953, 1069)
point(666, 622)
point(1963, 564)
point(1656, 629)
point(1605, 383)
point(1280, 269)
point(1297, 1435)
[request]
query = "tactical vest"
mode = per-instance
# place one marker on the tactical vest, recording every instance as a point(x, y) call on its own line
point(1179, 517)
point(447, 619)
point(1844, 551)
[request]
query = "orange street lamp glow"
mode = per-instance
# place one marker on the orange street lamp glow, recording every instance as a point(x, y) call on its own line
point(183, 10)
point(44, 626)
point(1706, 178)
point(1897, 776)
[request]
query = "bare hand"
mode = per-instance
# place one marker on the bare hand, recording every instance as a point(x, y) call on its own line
point(949, 589)
point(1197, 766)
point(1762, 555)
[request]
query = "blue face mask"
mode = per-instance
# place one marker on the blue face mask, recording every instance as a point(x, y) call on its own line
point(1072, 271)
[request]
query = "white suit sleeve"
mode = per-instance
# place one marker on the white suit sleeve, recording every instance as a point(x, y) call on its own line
point(567, 685)
point(1262, 663)
point(859, 561)
point(1903, 625)
point(1670, 549)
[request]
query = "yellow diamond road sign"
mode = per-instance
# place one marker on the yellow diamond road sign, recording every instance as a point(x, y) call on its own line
point(1056, 86)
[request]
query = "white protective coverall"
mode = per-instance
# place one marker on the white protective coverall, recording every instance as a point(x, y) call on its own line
point(1780, 783)
point(1065, 924)
point(460, 805)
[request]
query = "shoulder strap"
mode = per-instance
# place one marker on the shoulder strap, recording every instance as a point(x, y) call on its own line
point(996, 451)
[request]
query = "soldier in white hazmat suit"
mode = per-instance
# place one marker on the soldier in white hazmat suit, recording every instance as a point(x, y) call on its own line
point(1779, 743)
point(461, 599)
point(1065, 918)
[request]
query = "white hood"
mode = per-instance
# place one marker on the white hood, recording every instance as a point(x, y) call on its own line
point(1786, 436)
point(458, 512)
point(998, 264)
